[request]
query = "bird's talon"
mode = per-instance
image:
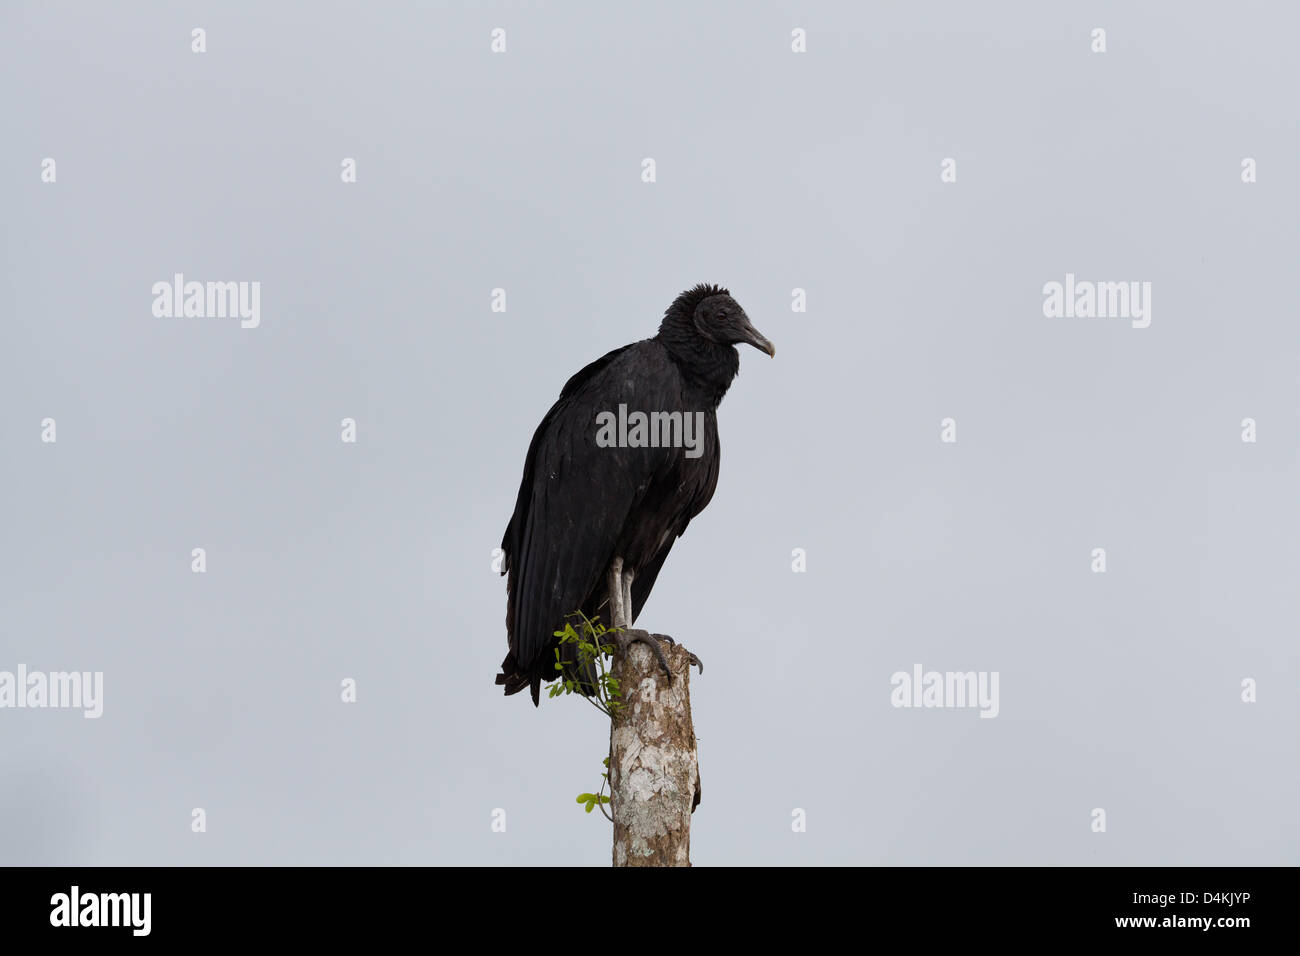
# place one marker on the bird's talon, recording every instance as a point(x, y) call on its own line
point(626, 638)
point(652, 640)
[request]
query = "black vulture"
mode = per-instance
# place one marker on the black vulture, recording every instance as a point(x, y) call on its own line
point(605, 493)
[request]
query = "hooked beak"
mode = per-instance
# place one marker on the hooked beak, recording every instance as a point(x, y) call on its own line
point(756, 339)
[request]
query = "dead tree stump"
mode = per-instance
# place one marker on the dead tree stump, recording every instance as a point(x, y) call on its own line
point(654, 775)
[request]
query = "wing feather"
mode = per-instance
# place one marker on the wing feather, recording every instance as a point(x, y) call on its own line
point(575, 497)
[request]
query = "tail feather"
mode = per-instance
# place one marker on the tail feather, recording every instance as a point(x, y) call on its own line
point(515, 678)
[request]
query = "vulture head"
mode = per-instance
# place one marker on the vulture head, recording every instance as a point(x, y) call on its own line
point(720, 319)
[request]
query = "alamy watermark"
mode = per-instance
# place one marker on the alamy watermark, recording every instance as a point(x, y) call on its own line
point(208, 300)
point(76, 908)
point(651, 430)
point(1098, 300)
point(72, 690)
point(946, 689)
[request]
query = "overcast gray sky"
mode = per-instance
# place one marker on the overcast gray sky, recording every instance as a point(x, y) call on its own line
point(775, 170)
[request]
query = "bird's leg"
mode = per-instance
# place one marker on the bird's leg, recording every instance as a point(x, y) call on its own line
point(627, 595)
point(620, 609)
point(615, 581)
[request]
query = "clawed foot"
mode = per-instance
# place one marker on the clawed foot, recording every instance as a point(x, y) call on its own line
point(691, 658)
point(624, 639)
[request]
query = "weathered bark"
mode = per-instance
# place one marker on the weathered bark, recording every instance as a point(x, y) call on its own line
point(654, 773)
